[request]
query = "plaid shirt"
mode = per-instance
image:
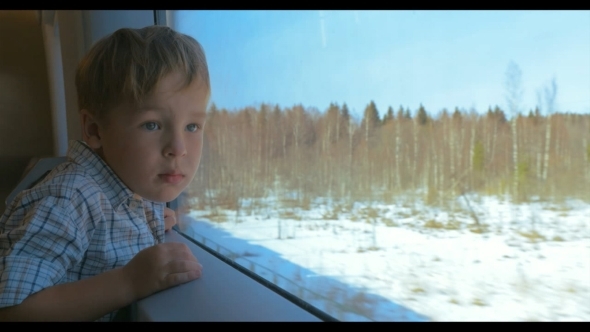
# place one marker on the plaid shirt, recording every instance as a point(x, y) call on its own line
point(80, 221)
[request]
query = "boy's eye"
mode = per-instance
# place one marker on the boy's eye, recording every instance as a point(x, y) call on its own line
point(150, 125)
point(192, 127)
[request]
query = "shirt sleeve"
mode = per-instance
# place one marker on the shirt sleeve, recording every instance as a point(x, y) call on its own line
point(36, 251)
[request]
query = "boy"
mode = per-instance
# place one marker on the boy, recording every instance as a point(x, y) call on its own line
point(88, 239)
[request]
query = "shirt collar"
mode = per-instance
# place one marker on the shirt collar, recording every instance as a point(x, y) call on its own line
point(112, 186)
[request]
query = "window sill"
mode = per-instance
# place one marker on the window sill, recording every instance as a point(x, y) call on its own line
point(222, 294)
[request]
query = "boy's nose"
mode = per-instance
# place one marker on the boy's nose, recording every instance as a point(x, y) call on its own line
point(175, 148)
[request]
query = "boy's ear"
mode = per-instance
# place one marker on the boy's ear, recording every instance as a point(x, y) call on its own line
point(90, 130)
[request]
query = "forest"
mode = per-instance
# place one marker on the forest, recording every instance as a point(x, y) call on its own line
point(301, 153)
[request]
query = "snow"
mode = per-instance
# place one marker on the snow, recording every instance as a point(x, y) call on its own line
point(410, 261)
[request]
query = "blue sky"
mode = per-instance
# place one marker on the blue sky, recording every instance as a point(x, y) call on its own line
point(440, 59)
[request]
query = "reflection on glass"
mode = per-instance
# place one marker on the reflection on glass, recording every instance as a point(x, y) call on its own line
point(401, 165)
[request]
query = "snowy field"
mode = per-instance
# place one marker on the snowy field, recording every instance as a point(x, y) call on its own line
point(409, 261)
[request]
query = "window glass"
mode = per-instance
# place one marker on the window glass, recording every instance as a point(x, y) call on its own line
point(400, 165)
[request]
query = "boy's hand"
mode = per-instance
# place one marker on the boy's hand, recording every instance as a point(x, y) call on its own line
point(169, 219)
point(160, 267)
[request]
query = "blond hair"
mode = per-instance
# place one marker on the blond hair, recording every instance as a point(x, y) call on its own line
point(127, 65)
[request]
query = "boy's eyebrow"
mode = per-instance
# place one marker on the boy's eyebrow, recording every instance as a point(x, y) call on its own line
point(154, 109)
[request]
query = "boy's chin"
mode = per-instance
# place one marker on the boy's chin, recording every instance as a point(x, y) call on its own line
point(163, 197)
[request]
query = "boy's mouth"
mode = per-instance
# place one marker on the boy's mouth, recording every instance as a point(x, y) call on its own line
point(172, 177)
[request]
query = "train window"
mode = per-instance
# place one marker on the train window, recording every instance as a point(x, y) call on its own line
point(372, 165)
point(400, 165)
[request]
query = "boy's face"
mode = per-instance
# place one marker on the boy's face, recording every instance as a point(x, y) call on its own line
point(155, 149)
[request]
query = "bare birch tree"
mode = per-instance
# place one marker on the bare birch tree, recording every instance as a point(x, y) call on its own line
point(546, 97)
point(514, 93)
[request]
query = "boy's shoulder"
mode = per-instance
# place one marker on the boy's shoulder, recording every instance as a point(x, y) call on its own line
point(67, 191)
point(68, 182)
point(83, 180)
point(69, 179)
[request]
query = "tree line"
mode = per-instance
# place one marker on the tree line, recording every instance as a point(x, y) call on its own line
point(268, 150)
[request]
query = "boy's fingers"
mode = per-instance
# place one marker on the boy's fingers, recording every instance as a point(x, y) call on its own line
point(186, 255)
point(168, 212)
point(169, 223)
point(169, 219)
point(180, 272)
point(181, 278)
point(181, 266)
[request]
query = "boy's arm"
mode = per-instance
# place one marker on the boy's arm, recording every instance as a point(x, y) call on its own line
point(151, 270)
point(85, 300)
point(39, 244)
